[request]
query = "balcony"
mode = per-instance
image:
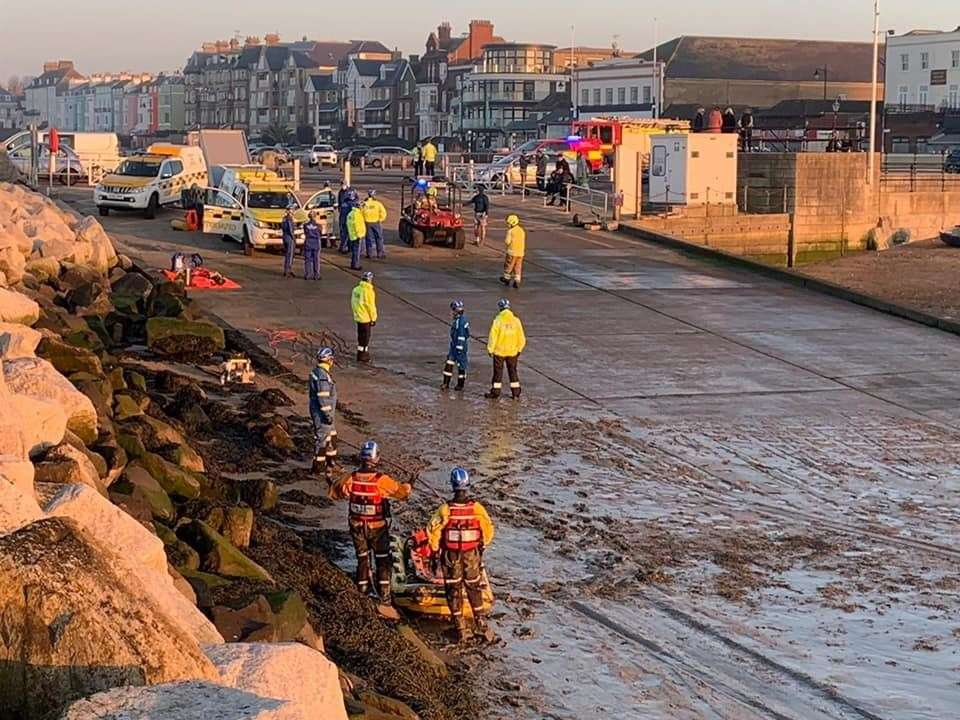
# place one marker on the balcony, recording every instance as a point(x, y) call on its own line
point(515, 96)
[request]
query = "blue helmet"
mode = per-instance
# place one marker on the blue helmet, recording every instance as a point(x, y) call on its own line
point(352, 197)
point(325, 355)
point(503, 304)
point(459, 479)
point(370, 452)
point(457, 306)
point(367, 277)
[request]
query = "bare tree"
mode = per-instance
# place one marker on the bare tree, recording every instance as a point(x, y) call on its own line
point(15, 85)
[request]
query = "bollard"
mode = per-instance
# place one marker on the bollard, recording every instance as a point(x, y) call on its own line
point(296, 174)
point(347, 171)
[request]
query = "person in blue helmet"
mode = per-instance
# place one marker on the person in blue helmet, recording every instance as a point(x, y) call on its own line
point(457, 353)
point(460, 529)
point(322, 392)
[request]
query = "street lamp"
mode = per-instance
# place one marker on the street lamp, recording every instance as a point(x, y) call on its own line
point(822, 72)
point(873, 92)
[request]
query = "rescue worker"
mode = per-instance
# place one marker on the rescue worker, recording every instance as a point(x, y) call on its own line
point(460, 529)
point(369, 493)
point(322, 392)
point(505, 342)
point(311, 248)
point(417, 160)
point(457, 353)
point(429, 158)
point(288, 228)
point(356, 230)
point(515, 243)
point(481, 212)
point(374, 213)
point(363, 302)
point(343, 209)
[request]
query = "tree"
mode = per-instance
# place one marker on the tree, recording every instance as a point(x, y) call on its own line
point(277, 133)
point(16, 84)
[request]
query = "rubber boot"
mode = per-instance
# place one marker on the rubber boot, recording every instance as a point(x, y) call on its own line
point(515, 393)
point(460, 382)
point(460, 630)
point(482, 631)
point(492, 395)
point(516, 285)
point(318, 463)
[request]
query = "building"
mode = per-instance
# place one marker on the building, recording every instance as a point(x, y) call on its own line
point(171, 103)
point(356, 74)
point(922, 70)
point(323, 106)
point(580, 56)
point(11, 111)
point(625, 87)
point(759, 72)
point(503, 87)
point(327, 54)
point(277, 95)
point(40, 103)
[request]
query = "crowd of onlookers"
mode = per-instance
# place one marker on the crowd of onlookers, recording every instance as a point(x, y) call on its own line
point(726, 121)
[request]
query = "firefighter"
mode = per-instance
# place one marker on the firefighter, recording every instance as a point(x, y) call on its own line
point(457, 354)
point(505, 342)
point(429, 157)
point(356, 230)
point(369, 493)
point(374, 213)
point(460, 529)
point(515, 244)
point(322, 391)
point(363, 302)
point(288, 237)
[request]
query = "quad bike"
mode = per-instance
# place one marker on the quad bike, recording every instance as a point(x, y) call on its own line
point(417, 586)
point(423, 220)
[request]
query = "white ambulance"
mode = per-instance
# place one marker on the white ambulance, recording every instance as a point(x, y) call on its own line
point(150, 180)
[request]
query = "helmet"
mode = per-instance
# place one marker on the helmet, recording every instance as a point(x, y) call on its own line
point(459, 479)
point(367, 277)
point(432, 191)
point(370, 452)
point(352, 196)
point(457, 306)
point(503, 304)
point(371, 193)
point(512, 221)
point(325, 355)
point(196, 260)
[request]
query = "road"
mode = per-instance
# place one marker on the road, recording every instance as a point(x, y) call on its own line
point(720, 497)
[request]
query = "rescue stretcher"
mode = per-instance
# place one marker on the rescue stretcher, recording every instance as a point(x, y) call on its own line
point(416, 587)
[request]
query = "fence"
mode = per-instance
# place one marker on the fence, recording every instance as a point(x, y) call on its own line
point(918, 173)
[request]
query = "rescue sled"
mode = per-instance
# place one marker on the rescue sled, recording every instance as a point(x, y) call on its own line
point(416, 587)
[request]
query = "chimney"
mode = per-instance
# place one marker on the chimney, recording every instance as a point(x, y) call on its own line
point(251, 41)
point(271, 39)
point(64, 64)
point(444, 33)
point(481, 33)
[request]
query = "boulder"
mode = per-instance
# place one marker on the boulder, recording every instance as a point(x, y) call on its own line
point(12, 263)
point(217, 555)
point(67, 358)
point(260, 493)
point(43, 269)
point(136, 481)
point(38, 424)
point(90, 296)
point(137, 549)
point(17, 471)
point(116, 379)
point(133, 286)
point(180, 583)
point(17, 507)
point(77, 622)
point(159, 436)
point(96, 459)
point(238, 526)
point(306, 680)
point(204, 585)
point(65, 465)
point(17, 341)
point(380, 707)
point(125, 407)
point(173, 479)
point(278, 438)
point(37, 378)
point(102, 254)
point(17, 308)
point(272, 617)
point(98, 390)
point(184, 339)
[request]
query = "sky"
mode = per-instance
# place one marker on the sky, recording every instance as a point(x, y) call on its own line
point(107, 35)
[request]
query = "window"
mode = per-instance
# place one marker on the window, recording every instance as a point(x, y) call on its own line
point(922, 95)
point(509, 86)
point(955, 59)
point(905, 62)
point(952, 97)
point(529, 90)
point(596, 96)
point(924, 61)
point(608, 96)
point(621, 96)
point(585, 97)
point(902, 95)
point(634, 95)
point(646, 94)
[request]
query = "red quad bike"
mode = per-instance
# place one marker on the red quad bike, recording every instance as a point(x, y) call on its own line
point(422, 222)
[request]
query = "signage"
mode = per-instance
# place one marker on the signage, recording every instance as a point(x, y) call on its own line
point(938, 77)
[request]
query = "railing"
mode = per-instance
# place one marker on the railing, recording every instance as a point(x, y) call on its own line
point(918, 173)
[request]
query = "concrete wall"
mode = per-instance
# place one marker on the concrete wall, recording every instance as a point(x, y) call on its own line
point(756, 93)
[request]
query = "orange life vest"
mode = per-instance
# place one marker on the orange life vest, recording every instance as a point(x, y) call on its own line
point(366, 502)
point(462, 531)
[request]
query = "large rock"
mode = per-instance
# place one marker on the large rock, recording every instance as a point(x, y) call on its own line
point(102, 254)
point(217, 555)
point(185, 339)
point(174, 480)
point(138, 482)
point(136, 548)
point(38, 423)
point(18, 472)
point(66, 465)
point(159, 436)
point(17, 308)
point(17, 509)
point(43, 269)
point(67, 358)
point(76, 622)
point(17, 341)
point(272, 617)
point(37, 378)
point(11, 260)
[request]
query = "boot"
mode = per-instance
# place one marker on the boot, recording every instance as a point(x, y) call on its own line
point(516, 285)
point(515, 393)
point(460, 630)
point(492, 395)
point(482, 631)
point(505, 281)
point(317, 464)
point(460, 383)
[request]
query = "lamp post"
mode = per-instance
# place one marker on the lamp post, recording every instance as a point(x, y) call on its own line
point(656, 83)
point(871, 164)
point(573, 74)
point(822, 72)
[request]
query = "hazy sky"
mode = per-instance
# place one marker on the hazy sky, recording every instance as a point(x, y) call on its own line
point(103, 35)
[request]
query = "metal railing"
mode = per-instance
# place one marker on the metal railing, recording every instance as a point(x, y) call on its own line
point(918, 173)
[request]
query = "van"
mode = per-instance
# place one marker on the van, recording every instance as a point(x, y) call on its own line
point(150, 180)
point(250, 201)
point(82, 156)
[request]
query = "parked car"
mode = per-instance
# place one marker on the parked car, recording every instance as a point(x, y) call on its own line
point(319, 155)
point(508, 167)
point(355, 154)
point(951, 163)
point(379, 157)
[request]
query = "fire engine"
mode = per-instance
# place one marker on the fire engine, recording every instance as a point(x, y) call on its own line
point(597, 138)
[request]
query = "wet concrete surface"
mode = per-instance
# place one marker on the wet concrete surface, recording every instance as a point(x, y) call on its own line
point(720, 497)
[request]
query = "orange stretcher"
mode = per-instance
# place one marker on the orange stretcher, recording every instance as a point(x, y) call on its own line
point(203, 279)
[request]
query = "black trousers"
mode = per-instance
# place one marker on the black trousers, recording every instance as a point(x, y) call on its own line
point(461, 575)
point(363, 341)
point(428, 168)
point(497, 384)
point(372, 540)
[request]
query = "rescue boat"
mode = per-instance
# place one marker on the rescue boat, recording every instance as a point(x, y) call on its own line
point(416, 587)
point(951, 238)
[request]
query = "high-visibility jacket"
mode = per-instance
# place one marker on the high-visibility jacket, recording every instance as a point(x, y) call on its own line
point(506, 337)
point(516, 241)
point(366, 492)
point(323, 395)
point(460, 526)
point(417, 152)
point(363, 302)
point(459, 337)
point(373, 211)
point(356, 227)
point(429, 152)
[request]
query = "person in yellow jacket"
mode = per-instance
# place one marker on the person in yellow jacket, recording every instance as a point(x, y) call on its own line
point(429, 157)
point(516, 247)
point(459, 530)
point(374, 213)
point(356, 232)
point(505, 342)
point(363, 302)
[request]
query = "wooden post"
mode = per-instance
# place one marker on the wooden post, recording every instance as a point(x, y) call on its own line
point(639, 189)
point(791, 243)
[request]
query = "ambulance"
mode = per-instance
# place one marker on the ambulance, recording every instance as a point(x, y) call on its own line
point(250, 201)
point(150, 180)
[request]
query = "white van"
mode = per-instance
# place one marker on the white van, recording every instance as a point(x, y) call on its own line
point(152, 179)
point(83, 156)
